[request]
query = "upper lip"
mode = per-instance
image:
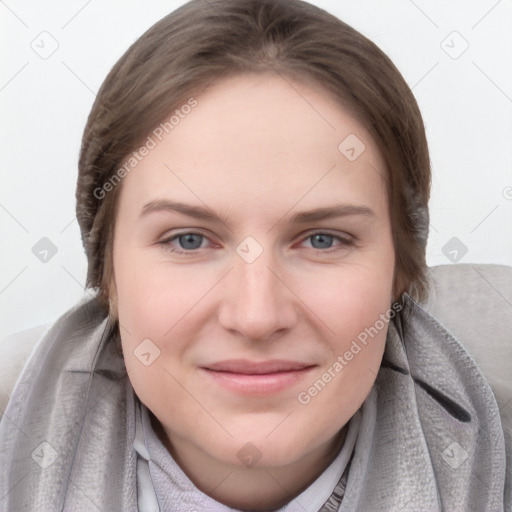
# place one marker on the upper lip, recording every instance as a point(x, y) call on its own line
point(247, 367)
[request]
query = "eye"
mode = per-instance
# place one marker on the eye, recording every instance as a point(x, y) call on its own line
point(189, 242)
point(322, 241)
point(183, 243)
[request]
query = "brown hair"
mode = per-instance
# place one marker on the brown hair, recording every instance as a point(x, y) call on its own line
point(204, 41)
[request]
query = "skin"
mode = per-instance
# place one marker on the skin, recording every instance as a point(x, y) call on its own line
point(255, 150)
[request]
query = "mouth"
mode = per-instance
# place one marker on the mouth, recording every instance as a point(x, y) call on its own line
point(257, 378)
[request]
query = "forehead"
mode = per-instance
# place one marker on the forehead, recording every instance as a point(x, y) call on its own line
point(254, 139)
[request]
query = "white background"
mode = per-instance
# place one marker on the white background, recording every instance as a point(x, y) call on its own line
point(466, 103)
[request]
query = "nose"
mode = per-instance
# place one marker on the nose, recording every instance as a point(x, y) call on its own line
point(257, 302)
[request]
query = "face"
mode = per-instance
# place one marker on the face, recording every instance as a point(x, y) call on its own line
point(252, 248)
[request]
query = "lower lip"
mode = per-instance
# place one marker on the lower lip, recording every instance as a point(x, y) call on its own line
point(265, 384)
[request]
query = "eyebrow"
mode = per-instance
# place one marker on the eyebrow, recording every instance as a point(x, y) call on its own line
point(204, 213)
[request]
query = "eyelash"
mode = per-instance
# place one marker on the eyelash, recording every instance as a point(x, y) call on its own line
point(344, 242)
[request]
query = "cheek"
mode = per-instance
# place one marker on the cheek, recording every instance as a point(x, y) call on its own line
point(349, 298)
point(160, 303)
point(352, 305)
point(360, 300)
point(360, 332)
point(154, 296)
point(151, 303)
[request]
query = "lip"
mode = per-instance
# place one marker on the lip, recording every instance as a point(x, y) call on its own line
point(257, 378)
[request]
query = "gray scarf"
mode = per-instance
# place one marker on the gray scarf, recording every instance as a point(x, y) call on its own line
point(430, 437)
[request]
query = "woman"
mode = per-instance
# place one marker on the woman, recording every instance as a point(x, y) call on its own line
point(252, 194)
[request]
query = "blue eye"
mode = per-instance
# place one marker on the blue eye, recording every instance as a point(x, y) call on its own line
point(188, 242)
point(322, 242)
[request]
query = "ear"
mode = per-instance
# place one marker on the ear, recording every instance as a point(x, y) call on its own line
point(400, 285)
point(111, 293)
point(108, 286)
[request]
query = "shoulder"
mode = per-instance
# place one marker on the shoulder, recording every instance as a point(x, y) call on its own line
point(474, 303)
point(16, 348)
point(14, 352)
